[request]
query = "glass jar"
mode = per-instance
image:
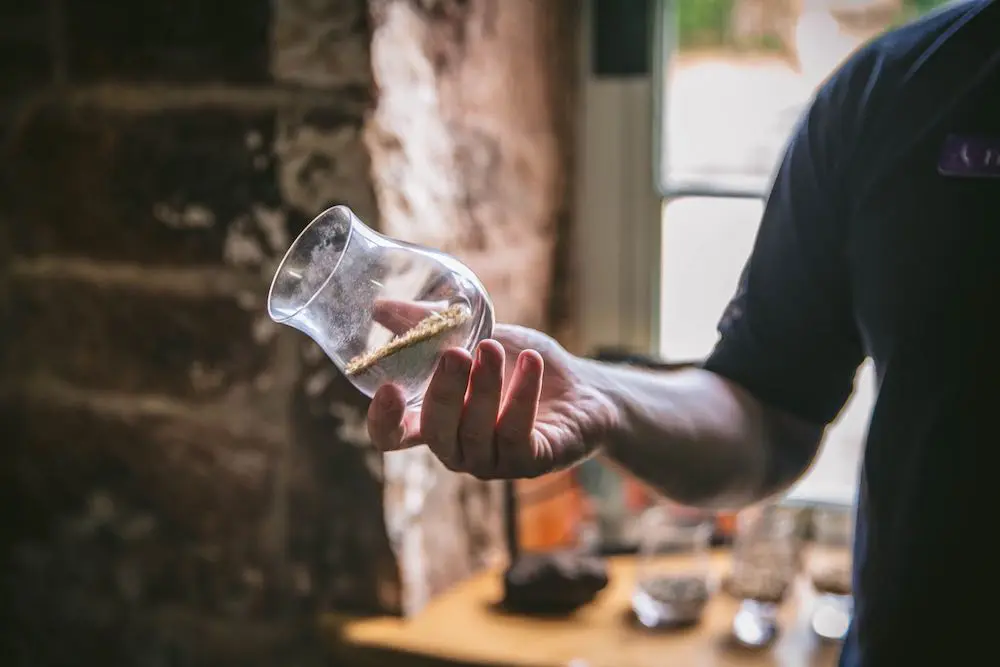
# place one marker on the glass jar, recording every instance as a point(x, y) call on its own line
point(830, 562)
point(767, 553)
point(673, 568)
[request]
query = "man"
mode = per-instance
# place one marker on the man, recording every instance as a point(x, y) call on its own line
point(880, 238)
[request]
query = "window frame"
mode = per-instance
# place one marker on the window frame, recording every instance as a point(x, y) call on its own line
point(665, 23)
point(621, 194)
point(616, 246)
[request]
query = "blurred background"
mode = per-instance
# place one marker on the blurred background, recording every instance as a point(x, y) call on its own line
point(186, 483)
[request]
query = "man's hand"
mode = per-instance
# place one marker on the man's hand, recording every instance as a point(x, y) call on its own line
point(521, 406)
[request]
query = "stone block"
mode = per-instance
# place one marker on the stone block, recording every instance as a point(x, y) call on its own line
point(157, 638)
point(111, 521)
point(26, 59)
point(135, 341)
point(322, 44)
point(169, 40)
point(321, 160)
point(138, 509)
point(184, 186)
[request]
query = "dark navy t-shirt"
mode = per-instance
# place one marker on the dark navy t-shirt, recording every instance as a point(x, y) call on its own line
point(881, 239)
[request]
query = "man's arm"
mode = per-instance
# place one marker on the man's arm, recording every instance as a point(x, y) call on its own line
point(744, 426)
point(749, 423)
point(700, 438)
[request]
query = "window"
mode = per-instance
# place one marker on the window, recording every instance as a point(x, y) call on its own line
point(737, 75)
point(669, 214)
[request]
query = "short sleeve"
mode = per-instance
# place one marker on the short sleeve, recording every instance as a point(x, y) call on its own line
point(788, 335)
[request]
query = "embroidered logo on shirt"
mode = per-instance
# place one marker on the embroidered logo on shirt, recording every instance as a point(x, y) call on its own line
point(970, 156)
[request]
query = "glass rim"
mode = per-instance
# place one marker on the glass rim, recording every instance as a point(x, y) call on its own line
point(278, 272)
point(661, 525)
point(679, 519)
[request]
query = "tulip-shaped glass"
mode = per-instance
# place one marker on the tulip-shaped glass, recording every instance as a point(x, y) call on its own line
point(383, 310)
point(830, 571)
point(766, 560)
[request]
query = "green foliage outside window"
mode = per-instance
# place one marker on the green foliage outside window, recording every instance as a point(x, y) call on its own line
point(703, 22)
point(707, 23)
point(915, 8)
point(924, 6)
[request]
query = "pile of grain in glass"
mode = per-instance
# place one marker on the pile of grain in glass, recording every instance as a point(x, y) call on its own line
point(764, 573)
point(682, 597)
point(832, 579)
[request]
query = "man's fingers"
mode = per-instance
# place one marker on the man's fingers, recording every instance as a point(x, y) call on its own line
point(517, 419)
point(389, 425)
point(443, 403)
point(401, 316)
point(475, 434)
point(470, 420)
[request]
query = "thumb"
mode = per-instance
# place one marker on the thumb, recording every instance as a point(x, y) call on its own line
point(390, 426)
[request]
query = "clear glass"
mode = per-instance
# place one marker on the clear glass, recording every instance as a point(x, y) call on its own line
point(830, 562)
point(383, 310)
point(673, 569)
point(767, 554)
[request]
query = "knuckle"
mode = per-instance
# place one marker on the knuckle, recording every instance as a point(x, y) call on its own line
point(479, 460)
point(440, 400)
point(483, 473)
point(509, 440)
point(474, 437)
point(449, 456)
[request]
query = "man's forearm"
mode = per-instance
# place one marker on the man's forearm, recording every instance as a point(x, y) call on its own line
point(701, 439)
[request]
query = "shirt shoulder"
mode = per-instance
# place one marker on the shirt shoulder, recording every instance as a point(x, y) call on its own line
point(892, 60)
point(859, 103)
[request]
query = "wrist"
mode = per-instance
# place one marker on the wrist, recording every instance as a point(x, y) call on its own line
point(598, 380)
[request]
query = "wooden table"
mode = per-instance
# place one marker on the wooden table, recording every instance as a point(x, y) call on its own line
point(462, 627)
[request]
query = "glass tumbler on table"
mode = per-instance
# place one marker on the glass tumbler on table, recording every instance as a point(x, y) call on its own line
point(830, 563)
point(383, 310)
point(766, 559)
point(672, 584)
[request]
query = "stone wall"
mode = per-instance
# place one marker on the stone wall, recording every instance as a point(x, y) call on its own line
point(183, 482)
point(172, 493)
